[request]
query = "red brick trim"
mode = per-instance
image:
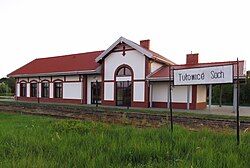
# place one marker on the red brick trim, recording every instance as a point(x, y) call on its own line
point(85, 89)
point(194, 97)
point(50, 100)
point(108, 103)
point(139, 104)
point(176, 105)
point(201, 106)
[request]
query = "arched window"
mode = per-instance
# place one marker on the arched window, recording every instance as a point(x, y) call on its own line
point(123, 76)
point(124, 71)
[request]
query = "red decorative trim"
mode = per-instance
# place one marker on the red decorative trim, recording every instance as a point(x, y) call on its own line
point(45, 80)
point(33, 81)
point(70, 81)
point(58, 80)
point(50, 100)
point(85, 90)
point(129, 49)
point(139, 104)
point(23, 81)
point(194, 97)
point(159, 104)
point(33, 99)
point(201, 106)
point(176, 105)
point(108, 103)
point(135, 80)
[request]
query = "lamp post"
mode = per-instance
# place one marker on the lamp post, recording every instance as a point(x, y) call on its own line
point(96, 95)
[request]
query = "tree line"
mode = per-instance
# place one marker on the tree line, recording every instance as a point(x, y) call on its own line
point(227, 93)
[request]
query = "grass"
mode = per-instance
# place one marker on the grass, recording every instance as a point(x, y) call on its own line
point(35, 141)
point(73, 107)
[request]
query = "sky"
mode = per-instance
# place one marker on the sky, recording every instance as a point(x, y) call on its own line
point(219, 30)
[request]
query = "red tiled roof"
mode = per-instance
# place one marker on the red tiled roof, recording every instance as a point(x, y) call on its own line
point(68, 63)
point(161, 58)
point(163, 72)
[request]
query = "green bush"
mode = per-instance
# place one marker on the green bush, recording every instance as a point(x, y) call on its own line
point(4, 89)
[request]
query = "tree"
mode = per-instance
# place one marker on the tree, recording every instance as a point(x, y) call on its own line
point(4, 89)
point(227, 93)
point(11, 82)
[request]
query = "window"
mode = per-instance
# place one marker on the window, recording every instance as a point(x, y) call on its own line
point(45, 90)
point(58, 90)
point(95, 92)
point(23, 89)
point(123, 93)
point(124, 72)
point(123, 86)
point(33, 90)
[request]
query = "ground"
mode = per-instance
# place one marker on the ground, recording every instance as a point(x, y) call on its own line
point(35, 141)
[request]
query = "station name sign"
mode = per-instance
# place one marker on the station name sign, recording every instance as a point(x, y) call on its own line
point(205, 75)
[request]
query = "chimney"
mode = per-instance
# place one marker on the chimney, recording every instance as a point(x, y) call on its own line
point(145, 44)
point(192, 59)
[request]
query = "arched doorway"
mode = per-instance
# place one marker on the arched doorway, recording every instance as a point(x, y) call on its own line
point(123, 83)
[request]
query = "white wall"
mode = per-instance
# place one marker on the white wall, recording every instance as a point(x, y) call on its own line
point(139, 91)
point(160, 91)
point(72, 90)
point(201, 93)
point(91, 78)
point(39, 87)
point(155, 66)
point(23, 79)
point(72, 78)
point(51, 90)
point(180, 94)
point(57, 77)
point(18, 89)
point(109, 91)
point(132, 58)
point(44, 78)
point(28, 89)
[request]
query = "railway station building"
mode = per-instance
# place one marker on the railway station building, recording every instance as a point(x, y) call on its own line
point(125, 74)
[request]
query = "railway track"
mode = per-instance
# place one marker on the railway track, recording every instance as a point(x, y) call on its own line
point(130, 118)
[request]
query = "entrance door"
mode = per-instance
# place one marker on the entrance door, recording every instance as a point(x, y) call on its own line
point(95, 92)
point(123, 93)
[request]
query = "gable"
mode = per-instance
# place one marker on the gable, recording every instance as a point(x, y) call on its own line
point(123, 40)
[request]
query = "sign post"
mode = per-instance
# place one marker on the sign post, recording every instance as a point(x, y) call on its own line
point(204, 76)
point(170, 100)
point(237, 109)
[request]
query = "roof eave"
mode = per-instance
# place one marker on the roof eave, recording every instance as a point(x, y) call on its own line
point(87, 72)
